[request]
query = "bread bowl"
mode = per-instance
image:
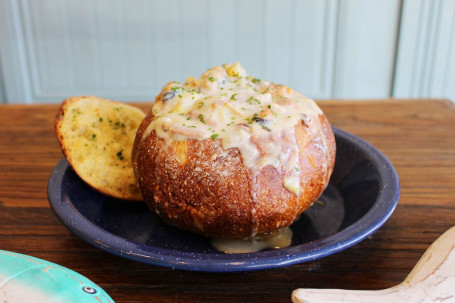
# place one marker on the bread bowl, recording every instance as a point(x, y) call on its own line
point(231, 156)
point(96, 136)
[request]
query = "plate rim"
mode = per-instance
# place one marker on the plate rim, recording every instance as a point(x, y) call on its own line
point(369, 223)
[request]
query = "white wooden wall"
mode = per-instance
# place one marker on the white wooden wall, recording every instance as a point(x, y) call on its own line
point(126, 50)
point(426, 53)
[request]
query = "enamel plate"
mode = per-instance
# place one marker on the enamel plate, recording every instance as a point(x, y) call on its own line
point(362, 194)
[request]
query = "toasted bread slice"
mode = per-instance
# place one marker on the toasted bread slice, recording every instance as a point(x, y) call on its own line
point(96, 136)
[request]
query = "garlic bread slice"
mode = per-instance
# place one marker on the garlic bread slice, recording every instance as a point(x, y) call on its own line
point(96, 136)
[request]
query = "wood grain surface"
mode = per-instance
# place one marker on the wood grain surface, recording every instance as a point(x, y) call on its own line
point(418, 136)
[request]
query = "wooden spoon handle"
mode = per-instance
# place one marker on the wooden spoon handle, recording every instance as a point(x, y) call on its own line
point(431, 280)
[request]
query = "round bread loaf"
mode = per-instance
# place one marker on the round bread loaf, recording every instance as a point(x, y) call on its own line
point(231, 156)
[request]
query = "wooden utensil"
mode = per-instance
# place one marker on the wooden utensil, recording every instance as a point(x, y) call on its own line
point(431, 280)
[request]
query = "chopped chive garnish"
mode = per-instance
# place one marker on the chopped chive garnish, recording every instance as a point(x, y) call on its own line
point(251, 99)
point(201, 118)
point(119, 155)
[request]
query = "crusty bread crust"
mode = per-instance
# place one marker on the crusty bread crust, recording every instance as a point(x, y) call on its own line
point(96, 137)
point(195, 185)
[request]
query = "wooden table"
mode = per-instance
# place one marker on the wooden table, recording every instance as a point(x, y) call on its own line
point(418, 136)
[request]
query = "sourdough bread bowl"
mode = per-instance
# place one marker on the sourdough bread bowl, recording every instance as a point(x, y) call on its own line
point(231, 156)
point(96, 136)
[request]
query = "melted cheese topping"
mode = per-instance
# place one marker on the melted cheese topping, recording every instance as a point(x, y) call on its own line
point(255, 116)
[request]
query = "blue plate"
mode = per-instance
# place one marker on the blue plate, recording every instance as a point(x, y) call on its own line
point(362, 194)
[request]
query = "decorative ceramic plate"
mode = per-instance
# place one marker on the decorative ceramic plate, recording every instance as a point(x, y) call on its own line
point(362, 195)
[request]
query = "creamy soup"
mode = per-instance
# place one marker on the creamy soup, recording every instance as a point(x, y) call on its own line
point(255, 116)
point(280, 239)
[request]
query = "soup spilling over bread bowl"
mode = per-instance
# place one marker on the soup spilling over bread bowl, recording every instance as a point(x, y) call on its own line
point(233, 157)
